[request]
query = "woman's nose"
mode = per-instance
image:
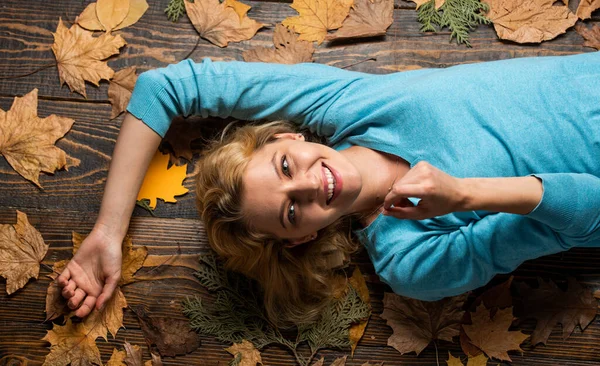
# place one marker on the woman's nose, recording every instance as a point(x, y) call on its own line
point(306, 186)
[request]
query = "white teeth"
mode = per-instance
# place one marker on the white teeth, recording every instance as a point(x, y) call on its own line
point(330, 183)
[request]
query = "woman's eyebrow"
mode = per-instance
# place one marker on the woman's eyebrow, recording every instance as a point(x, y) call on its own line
point(281, 210)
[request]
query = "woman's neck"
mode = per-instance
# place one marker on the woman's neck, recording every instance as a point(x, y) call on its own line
point(378, 172)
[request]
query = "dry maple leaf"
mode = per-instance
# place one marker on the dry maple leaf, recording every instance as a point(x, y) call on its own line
point(288, 49)
point(529, 21)
point(339, 361)
point(591, 35)
point(316, 17)
point(586, 7)
point(356, 331)
point(71, 343)
point(161, 182)
point(109, 319)
point(492, 335)
point(22, 249)
point(27, 141)
point(219, 23)
point(250, 355)
point(79, 56)
point(366, 19)
point(375, 364)
point(549, 305)
point(172, 337)
point(117, 358)
point(416, 323)
point(134, 355)
point(179, 137)
point(480, 360)
point(120, 89)
point(56, 304)
point(240, 9)
point(111, 12)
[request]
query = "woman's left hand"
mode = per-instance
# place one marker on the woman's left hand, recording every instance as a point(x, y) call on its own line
point(439, 194)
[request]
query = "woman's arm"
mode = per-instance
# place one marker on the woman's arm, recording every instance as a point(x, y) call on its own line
point(91, 277)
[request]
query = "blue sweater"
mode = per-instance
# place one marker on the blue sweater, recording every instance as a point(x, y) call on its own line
point(516, 117)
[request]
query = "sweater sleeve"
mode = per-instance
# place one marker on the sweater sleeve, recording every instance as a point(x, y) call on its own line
point(455, 261)
point(301, 93)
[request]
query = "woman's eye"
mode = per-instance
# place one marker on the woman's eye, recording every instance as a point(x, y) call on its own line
point(292, 213)
point(285, 167)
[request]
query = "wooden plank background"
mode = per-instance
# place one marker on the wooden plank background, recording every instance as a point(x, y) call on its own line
point(70, 199)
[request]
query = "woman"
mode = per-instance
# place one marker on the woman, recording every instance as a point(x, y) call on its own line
point(451, 175)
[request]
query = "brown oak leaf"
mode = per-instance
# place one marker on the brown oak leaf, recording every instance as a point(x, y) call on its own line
point(316, 17)
point(591, 35)
point(120, 89)
point(586, 7)
point(27, 141)
point(416, 323)
point(356, 331)
point(22, 249)
point(367, 18)
point(529, 21)
point(79, 56)
point(250, 355)
point(71, 343)
point(491, 335)
point(219, 23)
point(288, 49)
point(171, 336)
point(549, 305)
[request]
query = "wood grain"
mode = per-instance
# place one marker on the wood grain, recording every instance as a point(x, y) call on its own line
point(70, 199)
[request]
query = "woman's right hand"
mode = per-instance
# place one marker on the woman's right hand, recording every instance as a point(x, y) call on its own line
point(91, 277)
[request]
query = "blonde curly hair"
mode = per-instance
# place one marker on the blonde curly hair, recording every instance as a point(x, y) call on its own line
point(297, 282)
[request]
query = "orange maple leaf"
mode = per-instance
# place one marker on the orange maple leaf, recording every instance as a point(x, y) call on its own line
point(316, 17)
point(161, 182)
point(27, 141)
point(219, 23)
point(22, 249)
point(79, 56)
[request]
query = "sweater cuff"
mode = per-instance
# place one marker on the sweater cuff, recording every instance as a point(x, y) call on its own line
point(559, 201)
point(145, 104)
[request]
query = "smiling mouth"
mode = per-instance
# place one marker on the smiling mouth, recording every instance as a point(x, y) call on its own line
point(330, 184)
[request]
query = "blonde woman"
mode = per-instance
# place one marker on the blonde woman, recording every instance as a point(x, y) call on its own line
point(446, 176)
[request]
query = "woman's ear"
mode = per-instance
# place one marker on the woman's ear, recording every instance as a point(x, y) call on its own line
point(289, 135)
point(293, 242)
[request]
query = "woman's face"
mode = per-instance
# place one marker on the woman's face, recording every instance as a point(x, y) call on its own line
point(288, 191)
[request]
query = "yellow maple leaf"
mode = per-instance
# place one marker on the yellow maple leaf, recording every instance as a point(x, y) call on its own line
point(161, 182)
point(316, 17)
point(71, 343)
point(117, 358)
point(219, 23)
point(79, 56)
point(22, 249)
point(27, 141)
